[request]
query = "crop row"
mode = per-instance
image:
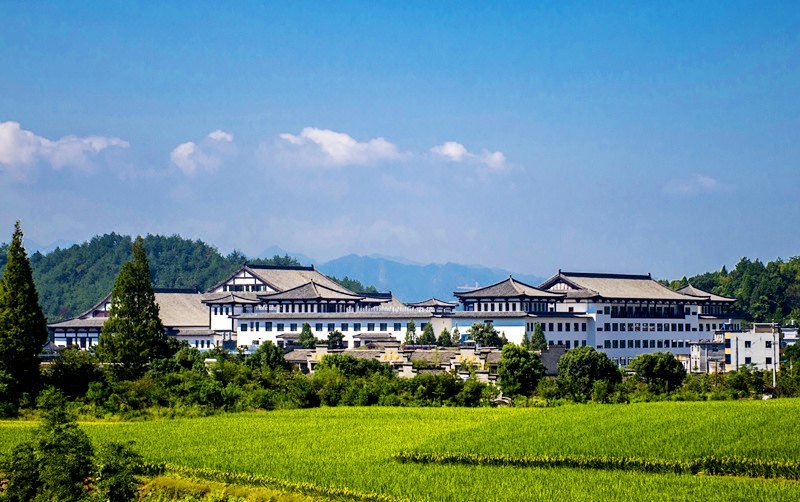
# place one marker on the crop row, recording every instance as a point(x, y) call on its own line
point(719, 466)
point(244, 478)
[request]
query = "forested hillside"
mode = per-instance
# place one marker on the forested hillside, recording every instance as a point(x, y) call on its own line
point(71, 280)
point(768, 292)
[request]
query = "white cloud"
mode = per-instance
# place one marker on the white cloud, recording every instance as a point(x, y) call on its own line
point(456, 152)
point(696, 184)
point(21, 149)
point(323, 147)
point(208, 155)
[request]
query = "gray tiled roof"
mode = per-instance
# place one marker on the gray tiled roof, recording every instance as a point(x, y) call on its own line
point(509, 288)
point(693, 291)
point(616, 287)
point(310, 291)
point(228, 297)
point(433, 302)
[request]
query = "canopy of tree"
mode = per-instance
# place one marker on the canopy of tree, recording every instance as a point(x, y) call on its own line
point(768, 292)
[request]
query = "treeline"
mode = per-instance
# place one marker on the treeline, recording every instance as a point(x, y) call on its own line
point(767, 293)
point(70, 280)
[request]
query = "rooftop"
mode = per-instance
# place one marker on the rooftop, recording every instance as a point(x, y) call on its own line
point(613, 286)
point(509, 288)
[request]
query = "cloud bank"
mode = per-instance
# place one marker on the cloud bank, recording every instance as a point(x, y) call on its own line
point(326, 148)
point(697, 184)
point(456, 152)
point(207, 155)
point(21, 149)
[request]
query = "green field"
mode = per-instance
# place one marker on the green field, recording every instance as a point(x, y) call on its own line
point(351, 448)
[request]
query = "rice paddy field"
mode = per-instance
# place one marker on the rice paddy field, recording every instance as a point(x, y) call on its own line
point(353, 450)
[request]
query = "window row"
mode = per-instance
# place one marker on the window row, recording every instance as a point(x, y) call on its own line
point(568, 344)
point(326, 327)
point(553, 327)
point(645, 344)
point(636, 326)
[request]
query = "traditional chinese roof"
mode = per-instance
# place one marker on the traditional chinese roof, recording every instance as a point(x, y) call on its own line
point(231, 297)
point(693, 291)
point(433, 303)
point(509, 288)
point(578, 285)
point(282, 278)
point(310, 291)
point(376, 313)
point(176, 308)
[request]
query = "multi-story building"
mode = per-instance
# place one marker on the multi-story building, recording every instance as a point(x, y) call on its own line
point(759, 348)
point(181, 311)
point(622, 315)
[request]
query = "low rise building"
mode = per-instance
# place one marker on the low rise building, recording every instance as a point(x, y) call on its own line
point(759, 348)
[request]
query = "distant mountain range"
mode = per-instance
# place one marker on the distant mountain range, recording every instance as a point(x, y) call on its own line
point(408, 280)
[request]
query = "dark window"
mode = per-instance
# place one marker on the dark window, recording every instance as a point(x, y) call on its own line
point(768, 360)
point(567, 326)
point(331, 326)
point(615, 326)
point(606, 344)
point(357, 326)
point(550, 326)
point(560, 326)
point(318, 326)
point(293, 326)
point(280, 326)
point(243, 327)
point(615, 344)
point(268, 326)
point(747, 360)
point(370, 326)
point(769, 344)
point(747, 344)
point(345, 326)
point(606, 327)
point(384, 327)
point(397, 326)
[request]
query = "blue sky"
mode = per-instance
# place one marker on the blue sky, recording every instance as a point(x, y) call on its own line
point(531, 136)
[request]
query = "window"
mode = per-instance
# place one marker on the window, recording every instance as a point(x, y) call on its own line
point(768, 360)
point(258, 325)
point(370, 326)
point(331, 327)
point(293, 326)
point(630, 344)
point(280, 326)
point(243, 327)
point(568, 344)
point(615, 344)
point(268, 326)
point(397, 326)
point(660, 344)
point(637, 344)
point(688, 327)
point(215, 313)
point(607, 310)
point(549, 326)
point(747, 344)
point(606, 327)
point(652, 344)
point(567, 326)
point(769, 344)
point(345, 326)
point(318, 326)
point(560, 326)
point(384, 327)
point(576, 327)
point(357, 326)
point(748, 360)
point(583, 326)
point(583, 343)
point(606, 344)
point(615, 326)
point(727, 358)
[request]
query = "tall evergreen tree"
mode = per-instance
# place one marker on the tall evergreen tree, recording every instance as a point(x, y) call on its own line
point(428, 336)
point(23, 328)
point(411, 333)
point(133, 335)
point(538, 341)
point(307, 340)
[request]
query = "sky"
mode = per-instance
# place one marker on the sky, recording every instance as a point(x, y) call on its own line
point(533, 136)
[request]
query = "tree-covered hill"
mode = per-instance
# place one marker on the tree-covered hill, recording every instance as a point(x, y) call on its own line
point(72, 279)
point(768, 292)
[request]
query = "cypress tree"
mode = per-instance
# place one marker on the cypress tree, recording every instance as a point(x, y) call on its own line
point(133, 335)
point(23, 328)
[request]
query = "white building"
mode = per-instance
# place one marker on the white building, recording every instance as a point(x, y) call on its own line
point(181, 312)
point(759, 348)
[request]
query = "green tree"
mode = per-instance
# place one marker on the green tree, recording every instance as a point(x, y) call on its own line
point(55, 464)
point(411, 333)
point(72, 371)
point(445, 339)
point(23, 328)
point(267, 355)
point(791, 356)
point(335, 340)
point(115, 472)
point(660, 371)
point(537, 340)
point(519, 370)
point(133, 335)
point(428, 336)
point(456, 337)
point(580, 368)
point(307, 340)
point(486, 335)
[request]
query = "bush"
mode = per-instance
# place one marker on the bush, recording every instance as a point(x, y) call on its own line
point(115, 472)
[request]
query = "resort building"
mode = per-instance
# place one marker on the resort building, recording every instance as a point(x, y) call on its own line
point(621, 315)
point(759, 348)
point(181, 312)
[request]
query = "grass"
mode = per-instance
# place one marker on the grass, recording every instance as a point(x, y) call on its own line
point(351, 448)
